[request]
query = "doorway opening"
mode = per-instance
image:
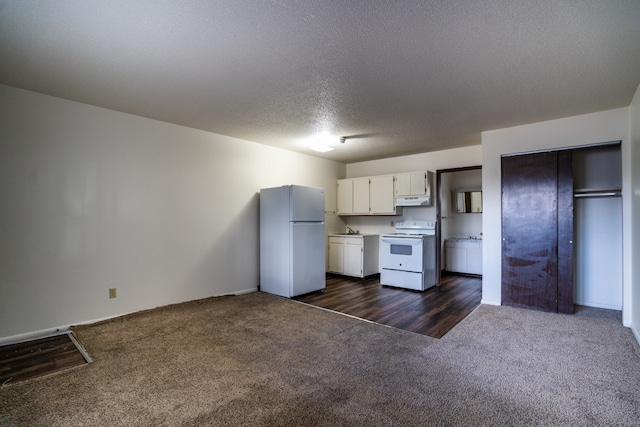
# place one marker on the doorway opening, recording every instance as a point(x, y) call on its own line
point(459, 218)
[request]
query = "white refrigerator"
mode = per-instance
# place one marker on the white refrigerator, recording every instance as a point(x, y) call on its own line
point(292, 240)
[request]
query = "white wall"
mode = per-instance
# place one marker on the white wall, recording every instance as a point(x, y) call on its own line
point(431, 161)
point(634, 200)
point(93, 199)
point(592, 128)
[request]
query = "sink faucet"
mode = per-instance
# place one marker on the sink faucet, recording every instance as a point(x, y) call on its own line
point(350, 231)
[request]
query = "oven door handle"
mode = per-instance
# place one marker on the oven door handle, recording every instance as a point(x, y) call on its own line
point(408, 241)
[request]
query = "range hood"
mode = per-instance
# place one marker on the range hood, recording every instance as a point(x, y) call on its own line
point(413, 201)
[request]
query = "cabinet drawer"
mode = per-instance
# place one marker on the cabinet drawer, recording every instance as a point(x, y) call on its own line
point(353, 240)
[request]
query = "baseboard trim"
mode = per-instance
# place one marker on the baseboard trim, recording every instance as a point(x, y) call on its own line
point(244, 291)
point(42, 333)
point(34, 335)
point(635, 332)
point(63, 329)
point(598, 305)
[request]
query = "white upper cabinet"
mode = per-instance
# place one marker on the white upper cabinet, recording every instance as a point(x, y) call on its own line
point(413, 184)
point(361, 195)
point(345, 197)
point(381, 195)
point(369, 195)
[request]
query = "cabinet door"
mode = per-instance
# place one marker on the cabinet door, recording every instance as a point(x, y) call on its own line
point(361, 196)
point(345, 197)
point(403, 184)
point(418, 183)
point(456, 258)
point(336, 255)
point(353, 257)
point(412, 184)
point(474, 258)
point(382, 196)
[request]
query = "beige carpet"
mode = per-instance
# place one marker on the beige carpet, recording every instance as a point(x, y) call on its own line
point(261, 360)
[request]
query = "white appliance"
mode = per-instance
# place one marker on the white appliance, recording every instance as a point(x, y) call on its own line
point(292, 240)
point(408, 256)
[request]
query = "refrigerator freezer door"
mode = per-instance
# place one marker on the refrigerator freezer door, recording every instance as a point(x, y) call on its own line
point(308, 257)
point(307, 203)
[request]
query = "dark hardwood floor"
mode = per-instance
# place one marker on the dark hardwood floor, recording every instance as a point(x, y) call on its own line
point(22, 361)
point(433, 312)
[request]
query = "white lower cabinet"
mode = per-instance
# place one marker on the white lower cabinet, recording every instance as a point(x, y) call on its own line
point(474, 257)
point(456, 258)
point(336, 255)
point(355, 255)
point(463, 256)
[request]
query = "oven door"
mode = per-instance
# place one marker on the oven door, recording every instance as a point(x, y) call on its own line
point(401, 253)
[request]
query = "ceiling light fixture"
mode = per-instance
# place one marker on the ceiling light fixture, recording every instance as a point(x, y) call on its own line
point(321, 148)
point(322, 142)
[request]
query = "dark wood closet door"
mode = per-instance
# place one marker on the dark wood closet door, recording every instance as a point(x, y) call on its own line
point(565, 231)
point(530, 231)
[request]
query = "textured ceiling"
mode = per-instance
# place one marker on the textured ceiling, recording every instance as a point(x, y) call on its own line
point(395, 77)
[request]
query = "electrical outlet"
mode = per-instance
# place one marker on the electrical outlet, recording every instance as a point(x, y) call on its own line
point(113, 292)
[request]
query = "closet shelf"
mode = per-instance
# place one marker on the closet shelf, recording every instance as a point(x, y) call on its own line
point(597, 192)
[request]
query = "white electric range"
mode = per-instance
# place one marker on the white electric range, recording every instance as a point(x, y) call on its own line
point(408, 256)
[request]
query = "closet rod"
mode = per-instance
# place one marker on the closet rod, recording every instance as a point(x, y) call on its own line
point(598, 194)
